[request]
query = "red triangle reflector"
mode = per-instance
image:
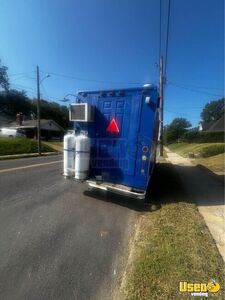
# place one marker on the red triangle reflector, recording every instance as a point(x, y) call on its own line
point(113, 127)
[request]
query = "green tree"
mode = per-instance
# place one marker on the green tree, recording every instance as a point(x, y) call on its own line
point(213, 110)
point(175, 130)
point(54, 111)
point(13, 101)
point(4, 79)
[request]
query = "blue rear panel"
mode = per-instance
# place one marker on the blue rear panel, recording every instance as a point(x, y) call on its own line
point(125, 157)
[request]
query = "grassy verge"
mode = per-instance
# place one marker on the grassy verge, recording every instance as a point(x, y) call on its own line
point(206, 149)
point(11, 146)
point(173, 244)
point(214, 162)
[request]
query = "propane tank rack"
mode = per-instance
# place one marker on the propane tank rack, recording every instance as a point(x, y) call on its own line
point(76, 156)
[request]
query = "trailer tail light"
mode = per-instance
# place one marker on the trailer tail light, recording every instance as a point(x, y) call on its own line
point(102, 94)
point(121, 93)
point(113, 127)
point(145, 149)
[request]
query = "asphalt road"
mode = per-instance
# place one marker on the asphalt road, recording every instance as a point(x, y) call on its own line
point(57, 240)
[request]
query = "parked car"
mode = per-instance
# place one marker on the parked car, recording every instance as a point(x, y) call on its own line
point(12, 132)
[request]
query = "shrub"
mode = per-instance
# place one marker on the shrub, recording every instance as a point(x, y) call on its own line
point(212, 150)
point(203, 137)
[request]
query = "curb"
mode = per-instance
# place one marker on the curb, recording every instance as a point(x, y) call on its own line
point(25, 155)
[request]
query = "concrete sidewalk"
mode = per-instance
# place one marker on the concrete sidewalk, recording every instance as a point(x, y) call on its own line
point(207, 191)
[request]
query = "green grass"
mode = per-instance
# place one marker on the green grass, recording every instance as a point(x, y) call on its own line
point(206, 154)
point(214, 163)
point(11, 146)
point(206, 149)
point(212, 150)
point(173, 244)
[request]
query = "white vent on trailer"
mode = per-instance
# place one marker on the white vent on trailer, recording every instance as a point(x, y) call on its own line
point(81, 112)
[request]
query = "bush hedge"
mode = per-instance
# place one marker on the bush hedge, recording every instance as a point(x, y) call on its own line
point(203, 137)
point(212, 150)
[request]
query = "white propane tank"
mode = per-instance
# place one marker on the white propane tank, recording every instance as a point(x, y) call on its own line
point(82, 157)
point(69, 154)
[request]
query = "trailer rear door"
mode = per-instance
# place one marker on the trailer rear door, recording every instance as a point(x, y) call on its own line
point(117, 148)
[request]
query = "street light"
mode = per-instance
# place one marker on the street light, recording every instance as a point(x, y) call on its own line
point(39, 109)
point(46, 76)
point(65, 99)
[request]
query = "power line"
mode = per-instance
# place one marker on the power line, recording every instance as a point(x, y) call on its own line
point(180, 108)
point(193, 90)
point(196, 86)
point(16, 74)
point(32, 92)
point(175, 112)
point(184, 115)
point(186, 107)
point(21, 73)
point(18, 78)
point(167, 37)
point(160, 27)
point(94, 80)
point(43, 87)
point(49, 97)
point(25, 87)
point(21, 77)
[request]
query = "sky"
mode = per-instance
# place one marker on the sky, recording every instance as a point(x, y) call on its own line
point(105, 44)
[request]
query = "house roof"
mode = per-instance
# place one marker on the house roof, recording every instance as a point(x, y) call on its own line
point(217, 125)
point(206, 125)
point(213, 126)
point(45, 124)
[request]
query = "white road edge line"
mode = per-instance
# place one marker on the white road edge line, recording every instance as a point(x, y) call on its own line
point(30, 166)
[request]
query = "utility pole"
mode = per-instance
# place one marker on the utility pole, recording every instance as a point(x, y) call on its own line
point(161, 83)
point(38, 113)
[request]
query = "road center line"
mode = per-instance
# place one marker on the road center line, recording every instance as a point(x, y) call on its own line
point(30, 166)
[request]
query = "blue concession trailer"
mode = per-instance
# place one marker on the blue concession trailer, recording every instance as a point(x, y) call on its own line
point(122, 126)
